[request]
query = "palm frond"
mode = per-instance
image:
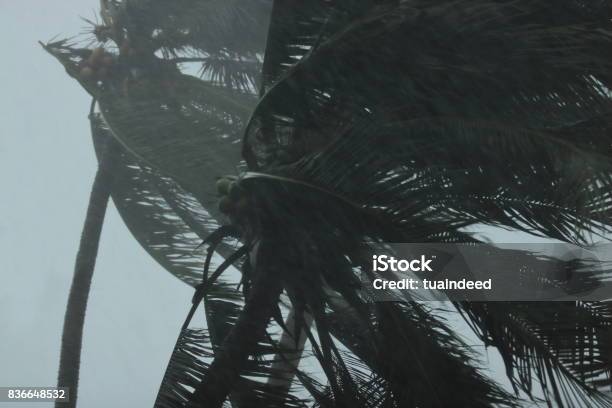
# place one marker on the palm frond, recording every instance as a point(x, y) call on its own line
point(226, 37)
point(542, 183)
point(423, 59)
point(562, 346)
point(297, 28)
point(165, 219)
point(341, 224)
point(182, 126)
point(212, 26)
point(186, 368)
point(381, 370)
point(149, 217)
point(189, 370)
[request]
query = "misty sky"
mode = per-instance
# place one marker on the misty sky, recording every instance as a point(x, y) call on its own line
point(47, 166)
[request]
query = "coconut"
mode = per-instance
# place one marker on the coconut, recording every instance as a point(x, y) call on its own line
point(96, 56)
point(241, 204)
point(223, 186)
point(108, 60)
point(126, 48)
point(127, 51)
point(226, 205)
point(86, 73)
point(102, 72)
point(234, 191)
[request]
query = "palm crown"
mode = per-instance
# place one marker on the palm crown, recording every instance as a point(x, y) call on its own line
point(357, 122)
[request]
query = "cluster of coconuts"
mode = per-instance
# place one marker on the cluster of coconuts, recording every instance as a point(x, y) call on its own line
point(98, 65)
point(102, 32)
point(232, 198)
point(100, 62)
point(126, 49)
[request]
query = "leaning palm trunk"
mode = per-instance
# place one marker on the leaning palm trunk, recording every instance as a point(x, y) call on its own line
point(241, 341)
point(288, 363)
point(72, 334)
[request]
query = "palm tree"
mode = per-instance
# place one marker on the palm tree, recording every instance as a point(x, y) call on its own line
point(72, 335)
point(372, 121)
point(162, 216)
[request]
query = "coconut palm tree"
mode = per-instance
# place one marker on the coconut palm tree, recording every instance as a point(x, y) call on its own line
point(167, 221)
point(72, 335)
point(359, 122)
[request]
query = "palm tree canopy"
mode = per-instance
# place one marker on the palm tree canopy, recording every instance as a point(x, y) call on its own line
point(359, 122)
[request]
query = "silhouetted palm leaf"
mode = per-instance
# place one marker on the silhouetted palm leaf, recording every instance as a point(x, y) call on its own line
point(151, 219)
point(421, 132)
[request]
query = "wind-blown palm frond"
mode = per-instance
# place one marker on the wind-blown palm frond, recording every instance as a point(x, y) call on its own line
point(296, 28)
point(187, 140)
point(325, 259)
point(184, 127)
point(421, 132)
point(451, 119)
point(247, 388)
point(542, 185)
point(551, 339)
point(190, 362)
point(563, 345)
point(169, 239)
point(186, 367)
point(213, 26)
point(226, 37)
point(423, 59)
point(400, 376)
point(170, 224)
point(147, 214)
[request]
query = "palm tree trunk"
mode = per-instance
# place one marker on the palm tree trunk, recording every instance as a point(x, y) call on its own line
point(243, 338)
point(288, 362)
point(72, 335)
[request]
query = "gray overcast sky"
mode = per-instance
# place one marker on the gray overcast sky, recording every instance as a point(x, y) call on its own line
point(46, 169)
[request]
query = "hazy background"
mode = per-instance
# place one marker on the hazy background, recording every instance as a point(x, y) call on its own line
point(47, 166)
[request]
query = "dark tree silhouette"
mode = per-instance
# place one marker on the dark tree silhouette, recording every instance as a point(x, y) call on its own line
point(72, 334)
point(323, 128)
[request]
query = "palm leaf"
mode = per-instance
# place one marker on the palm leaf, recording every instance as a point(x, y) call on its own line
point(212, 26)
point(445, 168)
point(575, 350)
point(186, 367)
point(170, 224)
point(184, 127)
point(226, 37)
point(153, 222)
point(564, 345)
